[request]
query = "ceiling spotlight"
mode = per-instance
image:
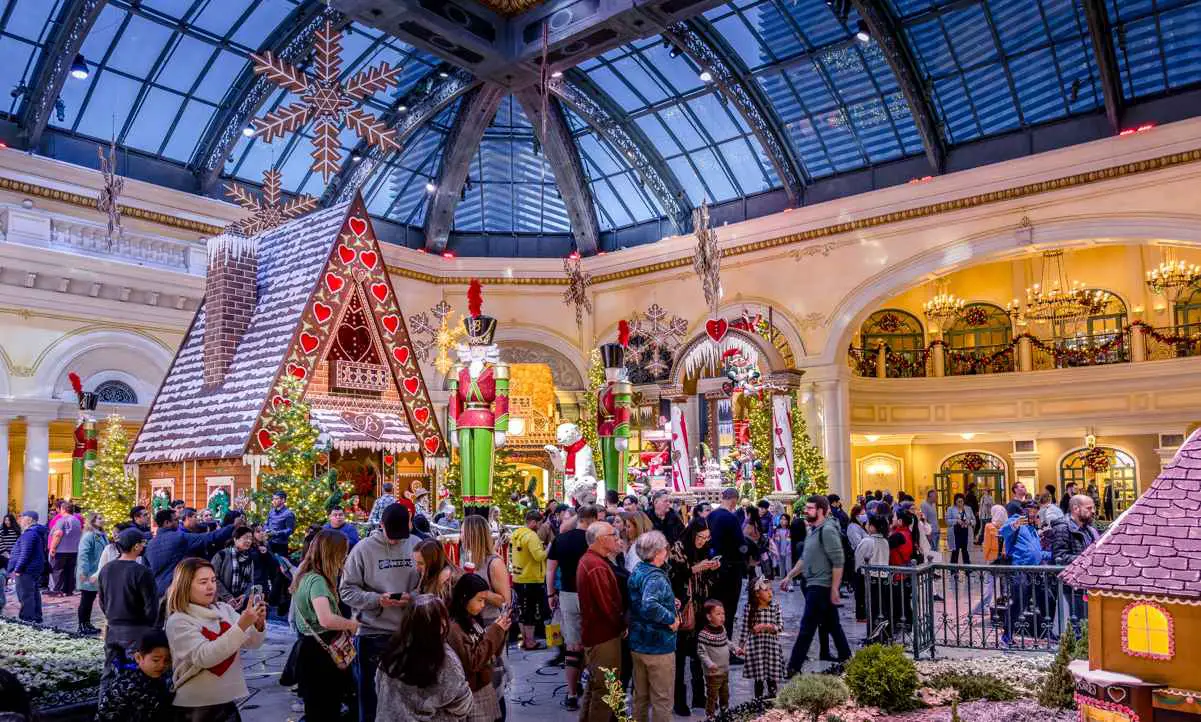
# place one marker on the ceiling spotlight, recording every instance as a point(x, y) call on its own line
point(557, 74)
point(430, 187)
point(248, 131)
point(402, 108)
point(706, 76)
point(355, 157)
point(443, 74)
point(674, 52)
point(79, 68)
point(862, 34)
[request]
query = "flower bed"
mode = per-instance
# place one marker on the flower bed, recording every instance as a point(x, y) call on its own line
point(1024, 673)
point(48, 662)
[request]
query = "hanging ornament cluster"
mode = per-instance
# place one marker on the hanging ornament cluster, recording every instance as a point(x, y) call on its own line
point(577, 287)
point(107, 202)
point(1097, 460)
point(326, 101)
point(266, 211)
point(707, 263)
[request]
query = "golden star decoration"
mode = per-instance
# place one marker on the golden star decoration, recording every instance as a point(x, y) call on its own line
point(447, 338)
point(266, 211)
point(326, 100)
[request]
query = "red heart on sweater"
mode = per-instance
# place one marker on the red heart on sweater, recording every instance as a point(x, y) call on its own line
point(308, 342)
point(223, 666)
point(333, 282)
point(346, 254)
point(421, 414)
point(358, 226)
point(431, 444)
point(391, 322)
point(410, 384)
point(368, 258)
point(322, 312)
point(401, 354)
point(379, 290)
point(265, 440)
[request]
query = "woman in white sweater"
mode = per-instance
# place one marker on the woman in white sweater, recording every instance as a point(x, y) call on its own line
point(206, 639)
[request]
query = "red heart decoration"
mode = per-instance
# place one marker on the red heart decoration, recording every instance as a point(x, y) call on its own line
point(410, 384)
point(368, 258)
point(431, 444)
point(308, 342)
point(716, 328)
point(265, 440)
point(379, 290)
point(388, 459)
point(278, 401)
point(297, 371)
point(358, 226)
point(391, 322)
point(422, 414)
point(322, 312)
point(401, 354)
point(346, 254)
point(333, 282)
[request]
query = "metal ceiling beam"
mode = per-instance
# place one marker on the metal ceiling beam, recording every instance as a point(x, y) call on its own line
point(704, 45)
point(462, 143)
point(886, 32)
point(1100, 33)
point(561, 152)
point(613, 124)
point(70, 29)
point(422, 104)
point(291, 42)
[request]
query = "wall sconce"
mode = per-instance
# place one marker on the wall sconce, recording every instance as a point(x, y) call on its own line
point(881, 468)
point(968, 436)
point(871, 438)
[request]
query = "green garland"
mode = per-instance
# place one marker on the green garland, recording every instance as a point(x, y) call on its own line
point(587, 424)
point(810, 468)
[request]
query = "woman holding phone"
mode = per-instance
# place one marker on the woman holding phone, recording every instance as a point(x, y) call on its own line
point(321, 683)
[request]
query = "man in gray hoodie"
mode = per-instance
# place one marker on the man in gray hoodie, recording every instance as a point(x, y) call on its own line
point(378, 584)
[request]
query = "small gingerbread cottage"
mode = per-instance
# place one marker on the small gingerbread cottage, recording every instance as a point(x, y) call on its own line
point(310, 299)
point(1143, 580)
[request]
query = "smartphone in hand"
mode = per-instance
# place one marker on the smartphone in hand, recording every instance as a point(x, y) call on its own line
point(255, 596)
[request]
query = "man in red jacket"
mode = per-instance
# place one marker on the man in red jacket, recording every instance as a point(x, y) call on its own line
point(602, 617)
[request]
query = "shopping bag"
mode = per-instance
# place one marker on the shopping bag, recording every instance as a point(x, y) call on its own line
point(554, 630)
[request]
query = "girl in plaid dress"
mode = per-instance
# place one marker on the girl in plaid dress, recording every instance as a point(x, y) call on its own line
point(759, 638)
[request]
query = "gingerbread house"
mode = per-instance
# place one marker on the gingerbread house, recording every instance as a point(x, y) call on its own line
point(313, 300)
point(1143, 578)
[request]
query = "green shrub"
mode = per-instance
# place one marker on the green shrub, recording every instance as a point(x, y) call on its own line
point(882, 676)
point(1059, 687)
point(1081, 650)
point(814, 694)
point(972, 687)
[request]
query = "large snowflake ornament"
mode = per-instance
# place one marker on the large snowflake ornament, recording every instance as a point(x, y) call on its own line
point(663, 332)
point(266, 211)
point(327, 101)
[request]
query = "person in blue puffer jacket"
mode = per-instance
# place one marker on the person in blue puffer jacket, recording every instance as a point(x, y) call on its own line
point(1024, 547)
point(653, 624)
point(27, 563)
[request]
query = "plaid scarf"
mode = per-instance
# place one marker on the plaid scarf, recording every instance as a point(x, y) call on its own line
point(240, 578)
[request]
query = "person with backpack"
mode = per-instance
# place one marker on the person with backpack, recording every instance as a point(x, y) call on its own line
point(823, 563)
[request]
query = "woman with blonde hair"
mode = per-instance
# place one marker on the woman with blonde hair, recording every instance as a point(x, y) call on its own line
point(438, 574)
point(634, 524)
point(87, 567)
point(992, 534)
point(477, 546)
point(207, 637)
point(321, 684)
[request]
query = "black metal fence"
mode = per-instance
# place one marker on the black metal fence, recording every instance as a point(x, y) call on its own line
point(969, 605)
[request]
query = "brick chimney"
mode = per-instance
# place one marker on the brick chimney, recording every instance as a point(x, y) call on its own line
point(229, 298)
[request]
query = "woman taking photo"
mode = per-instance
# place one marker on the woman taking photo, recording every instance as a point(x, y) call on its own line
point(91, 546)
point(236, 569)
point(420, 677)
point(476, 645)
point(321, 684)
point(692, 575)
point(437, 573)
point(207, 637)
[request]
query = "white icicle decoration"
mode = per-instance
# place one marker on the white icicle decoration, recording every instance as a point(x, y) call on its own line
point(227, 244)
point(704, 356)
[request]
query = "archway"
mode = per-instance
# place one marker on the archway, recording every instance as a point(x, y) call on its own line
point(703, 353)
point(1108, 474)
point(984, 469)
point(137, 360)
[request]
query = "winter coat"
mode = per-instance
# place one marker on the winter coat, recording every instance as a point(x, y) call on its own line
point(223, 565)
point(90, 548)
point(134, 697)
point(1022, 543)
point(652, 611)
point(171, 546)
point(28, 555)
point(1069, 540)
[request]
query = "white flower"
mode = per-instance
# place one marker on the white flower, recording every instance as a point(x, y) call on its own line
point(47, 661)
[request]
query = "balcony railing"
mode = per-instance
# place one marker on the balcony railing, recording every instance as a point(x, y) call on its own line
point(1137, 342)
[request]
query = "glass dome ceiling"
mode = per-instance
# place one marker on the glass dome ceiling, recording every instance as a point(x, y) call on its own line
point(830, 108)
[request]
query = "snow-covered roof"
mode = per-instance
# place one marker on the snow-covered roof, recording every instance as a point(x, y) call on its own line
point(375, 430)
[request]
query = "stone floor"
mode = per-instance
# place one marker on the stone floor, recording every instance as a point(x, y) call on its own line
point(535, 694)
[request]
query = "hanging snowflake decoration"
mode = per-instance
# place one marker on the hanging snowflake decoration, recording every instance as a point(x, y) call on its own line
point(707, 260)
point(326, 101)
point(266, 211)
point(655, 339)
point(107, 202)
point(577, 287)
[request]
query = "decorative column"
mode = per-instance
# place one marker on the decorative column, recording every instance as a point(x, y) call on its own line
point(35, 491)
point(680, 475)
point(785, 385)
point(938, 359)
point(1138, 342)
point(836, 410)
point(1025, 354)
point(881, 361)
point(4, 509)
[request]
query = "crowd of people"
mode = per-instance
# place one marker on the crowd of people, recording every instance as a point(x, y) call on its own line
point(665, 599)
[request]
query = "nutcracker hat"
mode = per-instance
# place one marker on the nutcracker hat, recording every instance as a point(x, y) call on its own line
point(613, 355)
point(87, 399)
point(480, 328)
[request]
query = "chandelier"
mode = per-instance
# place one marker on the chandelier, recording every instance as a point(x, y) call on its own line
point(1173, 277)
point(1056, 298)
point(943, 308)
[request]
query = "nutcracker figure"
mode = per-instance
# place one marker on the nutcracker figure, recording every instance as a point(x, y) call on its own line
point(479, 405)
point(83, 456)
point(613, 404)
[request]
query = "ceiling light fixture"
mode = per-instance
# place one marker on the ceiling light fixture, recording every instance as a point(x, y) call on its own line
point(443, 74)
point(402, 108)
point(248, 131)
point(706, 76)
point(430, 187)
point(674, 52)
point(79, 68)
point(1172, 277)
point(862, 34)
point(1057, 297)
point(871, 438)
point(557, 74)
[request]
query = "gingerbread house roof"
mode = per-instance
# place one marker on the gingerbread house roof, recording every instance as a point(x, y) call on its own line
point(1153, 548)
point(189, 421)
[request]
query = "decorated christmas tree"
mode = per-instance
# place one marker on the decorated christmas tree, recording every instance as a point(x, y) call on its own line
point(596, 379)
point(761, 426)
point(107, 488)
point(453, 483)
point(508, 487)
point(810, 472)
point(293, 460)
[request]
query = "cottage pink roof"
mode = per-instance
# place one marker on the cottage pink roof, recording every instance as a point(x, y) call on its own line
point(1155, 547)
point(187, 422)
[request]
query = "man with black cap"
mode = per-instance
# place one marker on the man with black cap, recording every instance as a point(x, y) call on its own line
point(127, 596)
point(27, 563)
point(378, 582)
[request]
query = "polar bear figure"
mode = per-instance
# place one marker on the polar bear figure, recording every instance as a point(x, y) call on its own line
point(572, 456)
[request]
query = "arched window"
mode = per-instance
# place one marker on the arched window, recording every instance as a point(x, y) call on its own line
point(1187, 314)
point(985, 470)
point(1147, 631)
point(116, 392)
point(1099, 338)
point(899, 329)
point(761, 325)
point(980, 341)
point(1108, 475)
